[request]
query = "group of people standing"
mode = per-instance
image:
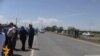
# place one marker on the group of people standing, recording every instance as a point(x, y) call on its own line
point(10, 34)
point(23, 33)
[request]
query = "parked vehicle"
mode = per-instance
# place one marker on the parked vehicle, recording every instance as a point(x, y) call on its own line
point(42, 31)
point(88, 34)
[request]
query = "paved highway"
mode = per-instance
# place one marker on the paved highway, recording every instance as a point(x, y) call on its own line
point(50, 44)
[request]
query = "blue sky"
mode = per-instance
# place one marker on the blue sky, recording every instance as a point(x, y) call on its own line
point(82, 14)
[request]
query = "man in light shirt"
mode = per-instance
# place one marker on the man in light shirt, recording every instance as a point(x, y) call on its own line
point(11, 34)
point(2, 38)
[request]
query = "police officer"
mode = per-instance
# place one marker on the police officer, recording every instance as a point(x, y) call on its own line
point(31, 36)
point(23, 35)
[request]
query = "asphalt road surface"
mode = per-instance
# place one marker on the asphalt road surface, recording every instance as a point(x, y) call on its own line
point(50, 44)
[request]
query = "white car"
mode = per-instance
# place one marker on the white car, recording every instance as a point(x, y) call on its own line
point(88, 34)
point(42, 31)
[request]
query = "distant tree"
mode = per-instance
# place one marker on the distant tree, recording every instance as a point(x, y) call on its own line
point(60, 29)
point(48, 28)
point(54, 28)
point(71, 28)
point(73, 32)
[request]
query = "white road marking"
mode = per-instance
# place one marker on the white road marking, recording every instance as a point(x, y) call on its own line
point(32, 53)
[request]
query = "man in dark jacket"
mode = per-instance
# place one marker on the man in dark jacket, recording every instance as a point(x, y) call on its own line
point(31, 35)
point(23, 35)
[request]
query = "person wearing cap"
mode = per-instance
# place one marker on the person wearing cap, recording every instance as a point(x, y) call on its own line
point(2, 38)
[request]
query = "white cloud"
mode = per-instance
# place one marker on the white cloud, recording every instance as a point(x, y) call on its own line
point(4, 20)
point(47, 21)
point(1, 17)
point(41, 22)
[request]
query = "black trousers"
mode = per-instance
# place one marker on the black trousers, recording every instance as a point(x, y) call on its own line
point(23, 44)
point(23, 41)
point(6, 42)
point(10, 45)
point(30, 41)
point(9, 42)
point(14, 41)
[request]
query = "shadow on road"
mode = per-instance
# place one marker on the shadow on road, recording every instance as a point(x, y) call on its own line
point(16, 55)
point(35, 48)
point(21, 50)
point(27, 50)
point(17, 50)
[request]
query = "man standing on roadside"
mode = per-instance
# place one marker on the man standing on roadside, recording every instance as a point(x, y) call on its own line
point(11, 34)
point(23, 37)
point(2, 39)
point(31, 36)
point(15, 36)
point(76, 33)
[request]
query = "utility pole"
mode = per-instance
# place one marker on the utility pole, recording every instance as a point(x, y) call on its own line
point(16, 21)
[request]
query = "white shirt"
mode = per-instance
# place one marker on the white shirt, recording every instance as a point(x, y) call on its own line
point(11, 31)
point(2, 40)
